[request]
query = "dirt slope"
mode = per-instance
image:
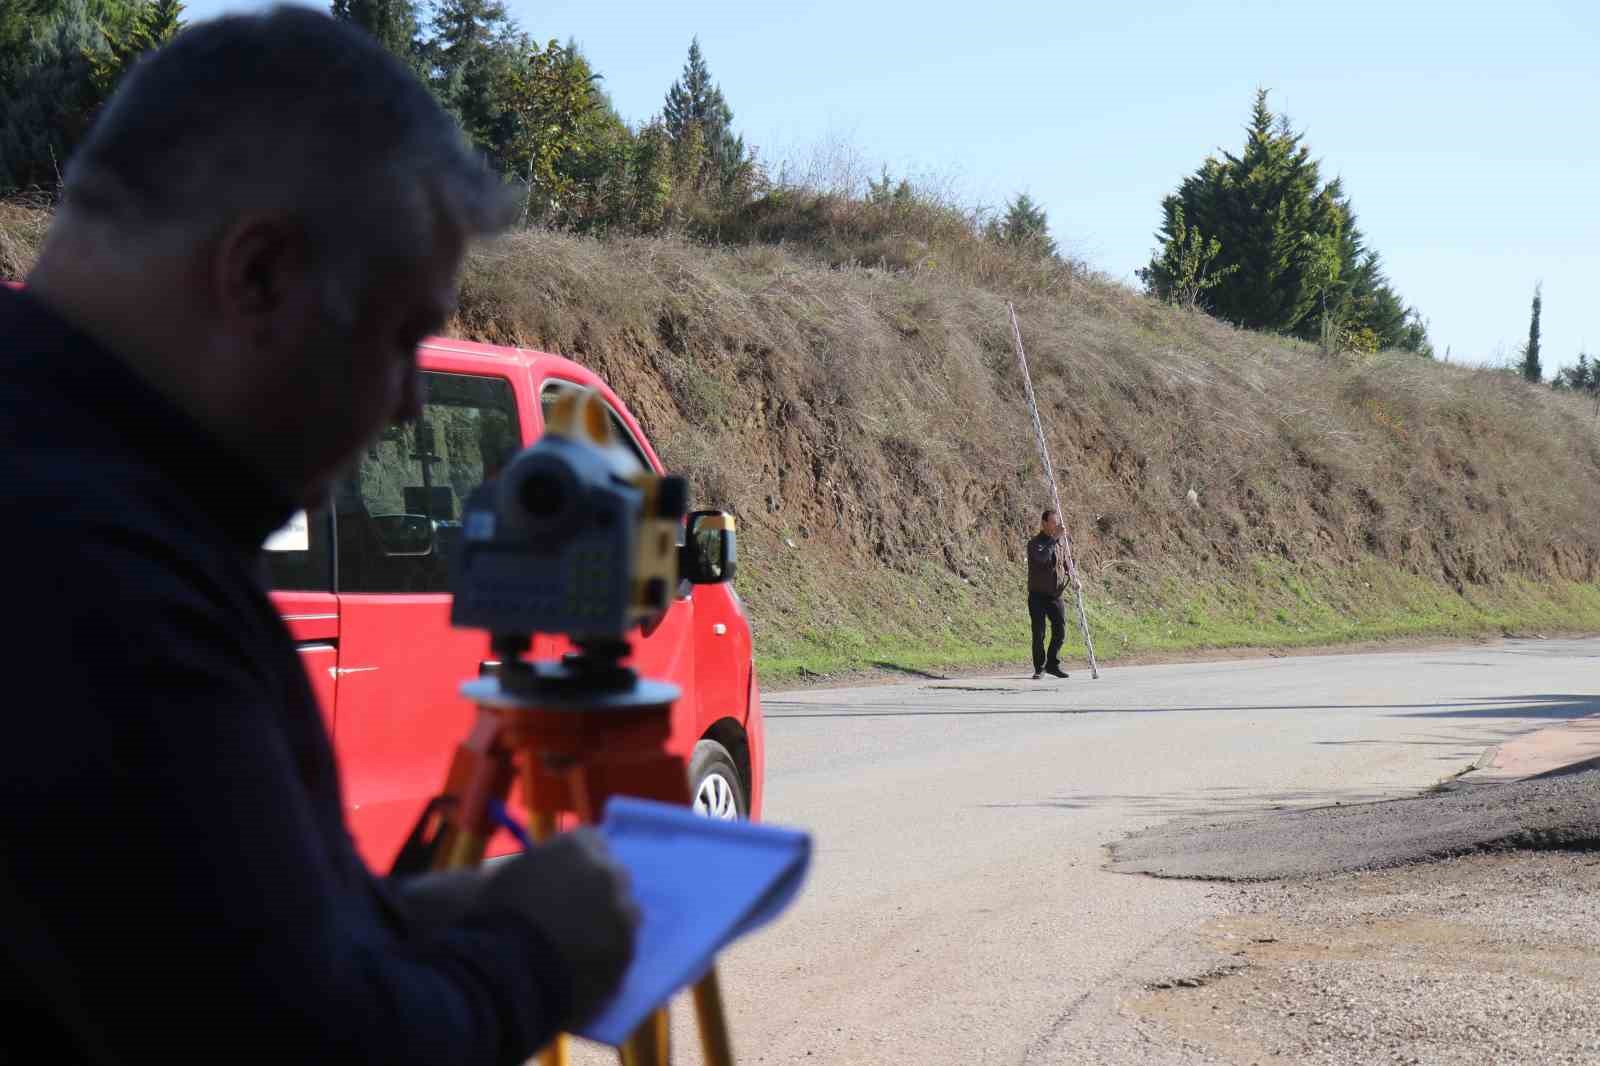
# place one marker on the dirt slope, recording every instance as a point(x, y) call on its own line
point(867, 427)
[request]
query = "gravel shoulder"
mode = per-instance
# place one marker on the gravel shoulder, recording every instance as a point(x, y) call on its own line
point(1481, 959)
point(1342, 944)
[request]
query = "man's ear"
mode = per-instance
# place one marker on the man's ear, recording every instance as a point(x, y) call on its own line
point(256, 264)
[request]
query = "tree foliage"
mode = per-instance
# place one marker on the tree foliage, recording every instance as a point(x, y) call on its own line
point(60, 60)
point(127, 35)
point(552, 102)
point(53, 94)
point(1289, 256)
point(1582, 376)
point(699, 123)
point(473, 59)
point(1531, 368)
point(397, 25)
point(1184, 268)
point(1024, 225)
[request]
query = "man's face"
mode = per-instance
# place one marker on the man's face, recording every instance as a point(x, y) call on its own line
point(337, 383)
point(1052, 526)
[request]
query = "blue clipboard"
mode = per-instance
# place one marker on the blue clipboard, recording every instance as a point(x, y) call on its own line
point(701, 885)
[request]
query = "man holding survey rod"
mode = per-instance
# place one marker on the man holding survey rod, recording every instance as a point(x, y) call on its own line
point(262, 224)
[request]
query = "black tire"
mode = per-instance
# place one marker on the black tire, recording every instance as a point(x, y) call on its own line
point(714, 783)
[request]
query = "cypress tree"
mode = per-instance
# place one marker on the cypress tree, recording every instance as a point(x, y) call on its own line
point(1530, 351)
point(1290, 257)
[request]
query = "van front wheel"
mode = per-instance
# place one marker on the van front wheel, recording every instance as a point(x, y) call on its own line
point(714, 782)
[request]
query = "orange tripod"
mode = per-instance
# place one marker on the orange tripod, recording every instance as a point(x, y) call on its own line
point(575, 735)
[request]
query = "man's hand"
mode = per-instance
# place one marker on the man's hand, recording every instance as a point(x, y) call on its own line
point(580, 899)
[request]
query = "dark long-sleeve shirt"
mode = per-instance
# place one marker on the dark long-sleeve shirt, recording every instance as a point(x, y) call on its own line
point(1047, 570)
point(177, 883)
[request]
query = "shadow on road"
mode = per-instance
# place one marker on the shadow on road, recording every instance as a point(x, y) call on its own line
point(896, 668)
point(1204, 803)
point(1538, 706)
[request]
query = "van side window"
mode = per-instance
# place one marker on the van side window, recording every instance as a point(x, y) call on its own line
point(299, 557)
point(399, 514)
point(554, 388)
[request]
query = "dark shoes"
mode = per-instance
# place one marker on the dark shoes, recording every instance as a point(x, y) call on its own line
point(1037, 675)
point(1056, 671)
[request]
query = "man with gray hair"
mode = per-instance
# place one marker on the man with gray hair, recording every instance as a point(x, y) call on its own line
point(255, 235)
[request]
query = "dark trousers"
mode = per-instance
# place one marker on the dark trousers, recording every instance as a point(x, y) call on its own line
point(1040, 607)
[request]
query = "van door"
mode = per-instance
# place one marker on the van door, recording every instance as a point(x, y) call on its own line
point(299, 566)
point(400, 663)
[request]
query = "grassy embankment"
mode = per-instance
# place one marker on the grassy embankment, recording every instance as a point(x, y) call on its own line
point(866, 423)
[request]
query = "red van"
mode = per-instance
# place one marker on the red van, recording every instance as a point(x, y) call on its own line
point(370, 609)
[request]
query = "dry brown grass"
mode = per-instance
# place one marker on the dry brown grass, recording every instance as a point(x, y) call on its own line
point(880, 410)
point(22, 226)
point(873, 417)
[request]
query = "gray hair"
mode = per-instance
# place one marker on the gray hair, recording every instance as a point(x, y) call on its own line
point(290, 112)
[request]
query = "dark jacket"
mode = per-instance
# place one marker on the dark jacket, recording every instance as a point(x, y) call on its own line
point(1047, 569)
point(177, 883)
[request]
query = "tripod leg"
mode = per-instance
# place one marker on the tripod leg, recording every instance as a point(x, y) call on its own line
point(713, 1019)
point(650, 1044)
point(481, 772)
point(542, 825)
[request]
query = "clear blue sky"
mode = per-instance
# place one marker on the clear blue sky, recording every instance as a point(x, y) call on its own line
point(1468, 134)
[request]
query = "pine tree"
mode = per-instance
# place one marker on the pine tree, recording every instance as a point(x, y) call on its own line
point(1582, 376)
point(472, 58)
point(130, 34)
point(886, 191)
point(395, 23)
point(1530, 351)
point(55, 95)
point(695, 109)
point(1025, 226)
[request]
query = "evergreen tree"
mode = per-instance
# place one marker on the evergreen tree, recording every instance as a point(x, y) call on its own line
point(1582, 376)
point(472, 60)
point(886, 191)
point(54, 96)
point(395, 23)
point(1025, 226)
point(21, 24)
point(142, 27)
point(1414, 336)
point(1530, 351)
point(1290, 256)
point(697, 113)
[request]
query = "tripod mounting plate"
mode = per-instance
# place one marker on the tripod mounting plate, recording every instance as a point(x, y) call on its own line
point(552, 694)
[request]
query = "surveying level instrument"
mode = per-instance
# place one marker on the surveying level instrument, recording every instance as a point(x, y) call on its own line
point(575, 538)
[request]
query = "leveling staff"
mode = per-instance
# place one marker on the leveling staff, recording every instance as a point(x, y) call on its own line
point(257, 232)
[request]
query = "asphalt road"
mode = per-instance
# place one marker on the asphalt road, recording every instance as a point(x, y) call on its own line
point(960, 909)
